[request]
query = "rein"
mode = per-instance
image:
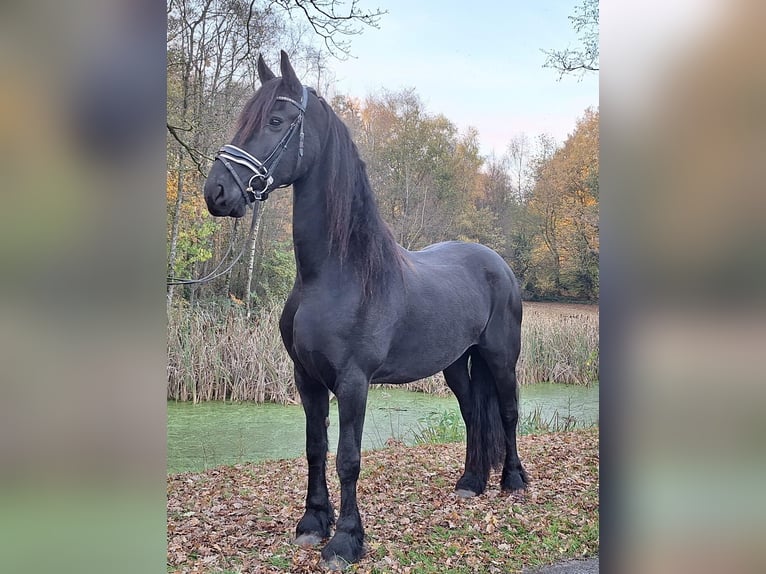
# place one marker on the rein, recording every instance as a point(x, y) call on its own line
point(263, 170)
point(215, 273)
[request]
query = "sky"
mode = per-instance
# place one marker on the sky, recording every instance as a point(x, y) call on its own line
point(477, 62)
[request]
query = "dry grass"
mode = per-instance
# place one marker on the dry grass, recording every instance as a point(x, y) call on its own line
point(221, 355)
point(559, 344)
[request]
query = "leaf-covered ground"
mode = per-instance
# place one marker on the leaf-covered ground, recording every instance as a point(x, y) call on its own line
point(242, 518)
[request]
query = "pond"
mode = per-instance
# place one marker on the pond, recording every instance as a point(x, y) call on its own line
point(212, 434)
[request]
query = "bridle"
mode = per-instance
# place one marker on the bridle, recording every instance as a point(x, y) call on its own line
point(263, 171)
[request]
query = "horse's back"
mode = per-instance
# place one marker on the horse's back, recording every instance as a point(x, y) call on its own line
point(456, 252)
point(473, 266)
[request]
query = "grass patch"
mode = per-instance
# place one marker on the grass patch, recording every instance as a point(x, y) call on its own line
point(536, 422)
point(440, 427)
point(281, 562)
point(448, 426)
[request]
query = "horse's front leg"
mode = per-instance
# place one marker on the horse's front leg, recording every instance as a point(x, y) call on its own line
point(347, 545)
point(315, 524)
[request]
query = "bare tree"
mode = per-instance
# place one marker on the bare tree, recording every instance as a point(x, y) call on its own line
point(518, 160)
point(585, 58)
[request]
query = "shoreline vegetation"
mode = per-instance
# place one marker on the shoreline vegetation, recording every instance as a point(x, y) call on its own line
point(217, 353)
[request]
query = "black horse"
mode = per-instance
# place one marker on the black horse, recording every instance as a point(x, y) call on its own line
point(363, 309)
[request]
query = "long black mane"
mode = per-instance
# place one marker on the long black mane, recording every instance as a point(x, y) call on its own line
point(358, 233)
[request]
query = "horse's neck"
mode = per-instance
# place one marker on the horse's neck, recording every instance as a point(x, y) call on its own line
point(312, 238)
point(311, 235)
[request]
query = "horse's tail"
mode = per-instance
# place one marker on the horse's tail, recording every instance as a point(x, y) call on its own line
point(487, 449)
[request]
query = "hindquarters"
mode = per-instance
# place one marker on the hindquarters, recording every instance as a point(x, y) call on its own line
point(484, 381)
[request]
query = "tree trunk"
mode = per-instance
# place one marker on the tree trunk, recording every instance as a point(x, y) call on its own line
point(174, 229)
point(232, 241)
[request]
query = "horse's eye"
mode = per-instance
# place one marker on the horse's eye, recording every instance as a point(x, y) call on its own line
point(275, 121)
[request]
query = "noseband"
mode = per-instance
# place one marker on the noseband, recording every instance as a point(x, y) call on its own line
point(263, 171)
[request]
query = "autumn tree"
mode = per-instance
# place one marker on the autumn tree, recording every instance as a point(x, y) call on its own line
point(481, 207)
point(581, 229)
point(509, 213)
point(563, 207)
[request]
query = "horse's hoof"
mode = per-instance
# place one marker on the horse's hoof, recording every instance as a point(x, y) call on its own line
point(514, 491)
point(343, 549)
point(514, 482)
point(336, 564)
point(465, 493)
point(470, 485)
point(308, 539)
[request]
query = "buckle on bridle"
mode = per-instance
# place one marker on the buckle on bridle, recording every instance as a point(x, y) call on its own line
point(263, 194)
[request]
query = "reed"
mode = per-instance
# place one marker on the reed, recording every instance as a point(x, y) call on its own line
point(219, 354)
point(216, 353)
point(559, 344)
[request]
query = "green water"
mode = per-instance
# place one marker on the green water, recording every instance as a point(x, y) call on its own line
point(211, 434)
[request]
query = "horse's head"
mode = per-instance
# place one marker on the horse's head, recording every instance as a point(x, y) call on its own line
point(270, 148)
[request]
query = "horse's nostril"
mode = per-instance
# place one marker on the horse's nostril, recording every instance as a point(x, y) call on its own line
point(219, 192)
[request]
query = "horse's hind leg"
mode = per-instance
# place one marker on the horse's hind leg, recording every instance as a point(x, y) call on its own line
point(502, 364)
point(514, 476)
point(474, 478)
point(319, 516)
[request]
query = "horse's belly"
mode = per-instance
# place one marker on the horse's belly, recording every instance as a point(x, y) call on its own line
point(395, 374)
point(410, 360)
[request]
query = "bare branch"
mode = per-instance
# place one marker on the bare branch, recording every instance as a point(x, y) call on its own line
point(330, 19)
point(586, 58)
point(193, 153)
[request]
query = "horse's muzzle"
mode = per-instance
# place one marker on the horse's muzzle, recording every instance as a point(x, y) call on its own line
point(221, 204)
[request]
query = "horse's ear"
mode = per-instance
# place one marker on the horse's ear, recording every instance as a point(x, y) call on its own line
point(288, 74)
point(263, 71)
